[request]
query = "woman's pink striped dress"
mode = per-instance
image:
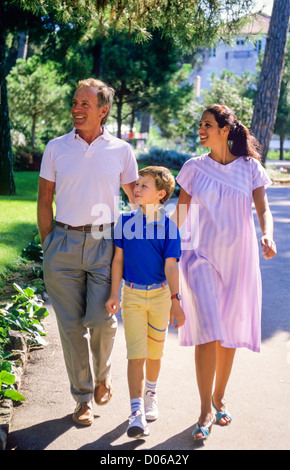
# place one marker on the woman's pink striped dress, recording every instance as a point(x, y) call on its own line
point(220, 278)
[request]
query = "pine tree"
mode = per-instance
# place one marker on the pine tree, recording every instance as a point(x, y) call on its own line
point(266, 103)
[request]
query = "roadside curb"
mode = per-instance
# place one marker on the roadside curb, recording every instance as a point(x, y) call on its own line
point(284, 166)
point(281, 182)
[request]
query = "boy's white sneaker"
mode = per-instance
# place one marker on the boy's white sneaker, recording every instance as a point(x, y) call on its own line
point(150, 405)
point(137, 425)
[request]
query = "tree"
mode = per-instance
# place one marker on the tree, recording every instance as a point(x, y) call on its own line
point(232, 90)
point(190, 23)
point(282, 124)
point(7, 184)
point(36, 93)
point(269, 84)
point(141, 74)
point(172, 107)
point(12, 19)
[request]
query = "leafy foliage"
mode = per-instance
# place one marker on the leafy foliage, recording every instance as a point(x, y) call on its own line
point(233, 90)
point(24, 313)
point(146, 77)
point(33, 252)
point(169, 158)
point(7, 390)
point(189, 22)
point(36, 96)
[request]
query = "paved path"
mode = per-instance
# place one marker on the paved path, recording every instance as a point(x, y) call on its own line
point(258, 393)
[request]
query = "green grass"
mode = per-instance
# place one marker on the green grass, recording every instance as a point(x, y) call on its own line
point(275, 155)
point(18, 220)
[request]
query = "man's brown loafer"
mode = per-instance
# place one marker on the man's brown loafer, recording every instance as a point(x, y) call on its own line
point(103, 392)
point(83, 414)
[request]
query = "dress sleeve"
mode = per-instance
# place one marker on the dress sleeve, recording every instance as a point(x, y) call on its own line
point(259, 176)
point(185, 176)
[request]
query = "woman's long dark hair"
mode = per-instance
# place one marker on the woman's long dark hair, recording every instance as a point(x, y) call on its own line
point(243, 143)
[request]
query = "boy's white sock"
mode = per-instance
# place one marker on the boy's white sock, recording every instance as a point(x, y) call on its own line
point(137, 404)
point(150, 387)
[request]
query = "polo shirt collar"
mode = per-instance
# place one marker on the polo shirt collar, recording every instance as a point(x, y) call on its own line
point(72, 134)
point(139, 214)
point(105, 135)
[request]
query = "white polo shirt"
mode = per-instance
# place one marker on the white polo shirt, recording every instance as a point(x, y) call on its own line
point(88, 177)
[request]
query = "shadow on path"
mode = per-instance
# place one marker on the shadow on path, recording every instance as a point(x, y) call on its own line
point(39, 436)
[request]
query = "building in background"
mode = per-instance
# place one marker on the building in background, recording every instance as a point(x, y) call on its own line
point(241, 55)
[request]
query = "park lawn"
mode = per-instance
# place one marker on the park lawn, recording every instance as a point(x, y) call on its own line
point(18, 219)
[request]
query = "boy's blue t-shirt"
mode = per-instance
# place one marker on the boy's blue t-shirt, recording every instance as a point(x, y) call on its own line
point(146, 246)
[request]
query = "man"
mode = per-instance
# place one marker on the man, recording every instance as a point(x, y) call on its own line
point(84, 169)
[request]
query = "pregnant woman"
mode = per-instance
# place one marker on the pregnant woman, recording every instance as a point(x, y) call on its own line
point(220, 278)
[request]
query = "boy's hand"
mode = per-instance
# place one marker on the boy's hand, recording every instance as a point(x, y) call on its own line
point(176, 313)
point(113, 304)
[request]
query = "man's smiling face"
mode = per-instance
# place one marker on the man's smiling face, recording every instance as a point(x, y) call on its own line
point(85, 110)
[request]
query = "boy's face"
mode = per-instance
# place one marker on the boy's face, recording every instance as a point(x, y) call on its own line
point(145, 191)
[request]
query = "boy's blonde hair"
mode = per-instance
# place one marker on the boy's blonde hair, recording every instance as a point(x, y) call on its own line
point(163, 179)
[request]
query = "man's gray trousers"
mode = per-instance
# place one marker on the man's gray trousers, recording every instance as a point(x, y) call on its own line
point(77, 275)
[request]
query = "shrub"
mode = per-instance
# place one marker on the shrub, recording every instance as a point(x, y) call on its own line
point(24, 313)
point(26, 158)
point(169, 158)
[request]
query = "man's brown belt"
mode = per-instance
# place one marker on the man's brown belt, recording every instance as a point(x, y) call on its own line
point(86, 228)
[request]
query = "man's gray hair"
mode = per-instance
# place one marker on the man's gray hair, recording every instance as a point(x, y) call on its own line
point(105, 93)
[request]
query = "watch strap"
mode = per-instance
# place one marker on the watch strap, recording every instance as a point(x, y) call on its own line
point(176, 296)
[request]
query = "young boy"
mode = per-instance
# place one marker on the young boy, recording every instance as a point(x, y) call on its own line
point(147, 248)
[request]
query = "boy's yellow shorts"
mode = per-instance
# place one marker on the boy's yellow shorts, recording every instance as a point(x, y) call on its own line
point(146, 316)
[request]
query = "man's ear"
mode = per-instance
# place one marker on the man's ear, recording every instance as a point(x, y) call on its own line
point(104, 110)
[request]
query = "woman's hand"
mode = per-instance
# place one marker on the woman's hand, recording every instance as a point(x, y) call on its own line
point(269, 249)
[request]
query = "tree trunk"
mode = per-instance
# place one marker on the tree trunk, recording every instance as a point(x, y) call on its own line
point(97, 58)
point(132, 120)
point(268, 91)
point(23, 39)
point(282, 138)
point(7, 184)
point(119, 118)
point(33, 130)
